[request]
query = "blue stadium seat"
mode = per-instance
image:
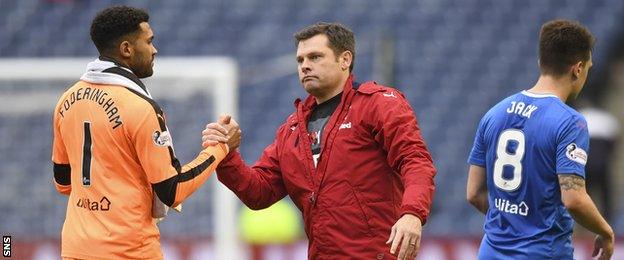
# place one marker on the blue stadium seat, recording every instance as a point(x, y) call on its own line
point(452, 56)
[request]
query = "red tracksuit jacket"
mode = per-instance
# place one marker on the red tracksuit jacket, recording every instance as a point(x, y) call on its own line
point(374, 167)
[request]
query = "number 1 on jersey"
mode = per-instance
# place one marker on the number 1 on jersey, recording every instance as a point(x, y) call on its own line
point(512, 159)
point(86, 155)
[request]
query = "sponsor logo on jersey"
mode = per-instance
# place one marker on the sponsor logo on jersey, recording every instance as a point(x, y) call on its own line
point(162, 138)
point(513, 208)
point(345, 126)
point(575, 153)
point(93, 205)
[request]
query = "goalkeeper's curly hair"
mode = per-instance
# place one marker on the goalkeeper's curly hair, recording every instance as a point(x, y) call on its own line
point(114, 24)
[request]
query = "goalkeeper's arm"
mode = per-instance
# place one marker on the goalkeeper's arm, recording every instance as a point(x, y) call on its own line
point(176, 189)
point(62, 178)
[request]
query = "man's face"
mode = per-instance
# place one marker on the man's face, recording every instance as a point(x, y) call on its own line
point(142, 62)
point(318, 67)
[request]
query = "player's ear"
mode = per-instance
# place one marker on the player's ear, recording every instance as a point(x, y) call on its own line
point(577, 69)
point(125, 49)
point(346, 58)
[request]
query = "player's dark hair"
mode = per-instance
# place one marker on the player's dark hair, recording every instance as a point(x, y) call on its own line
point(562, 44)
point(114, 23)
point(341, 39)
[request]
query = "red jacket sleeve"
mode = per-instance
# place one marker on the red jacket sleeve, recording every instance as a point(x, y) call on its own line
point(396, 129)
point(259, 186)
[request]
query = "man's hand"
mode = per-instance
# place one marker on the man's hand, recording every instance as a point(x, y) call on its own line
point(604, 246)
point(407, 231)
point(225, 130)
point(234, 133)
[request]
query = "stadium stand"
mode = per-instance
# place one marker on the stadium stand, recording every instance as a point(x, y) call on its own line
point(454, 60)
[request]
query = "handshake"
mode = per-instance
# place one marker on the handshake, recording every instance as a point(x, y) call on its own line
point(225, 130)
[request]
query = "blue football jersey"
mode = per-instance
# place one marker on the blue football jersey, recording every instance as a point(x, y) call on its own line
point(524, 142)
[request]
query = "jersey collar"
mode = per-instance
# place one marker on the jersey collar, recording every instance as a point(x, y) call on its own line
point(535, 95)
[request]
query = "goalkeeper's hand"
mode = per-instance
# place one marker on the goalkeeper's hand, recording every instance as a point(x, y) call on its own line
point(225, 130)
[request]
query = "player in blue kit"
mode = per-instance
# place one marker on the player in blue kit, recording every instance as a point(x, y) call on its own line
point(527, 164)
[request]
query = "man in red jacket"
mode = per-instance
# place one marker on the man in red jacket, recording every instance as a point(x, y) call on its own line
point(351, 157)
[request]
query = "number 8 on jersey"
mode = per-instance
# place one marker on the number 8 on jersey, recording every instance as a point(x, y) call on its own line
point(504, 157)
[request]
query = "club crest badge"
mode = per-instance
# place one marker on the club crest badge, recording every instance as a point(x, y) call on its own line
point(161, 138)
point(575, 153)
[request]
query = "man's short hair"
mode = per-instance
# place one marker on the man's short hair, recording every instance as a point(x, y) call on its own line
point(562, 44)
point(114, 23)
point(341, 39)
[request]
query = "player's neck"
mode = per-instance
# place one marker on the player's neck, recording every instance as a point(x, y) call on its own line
point(115, 59)
point(546, 84)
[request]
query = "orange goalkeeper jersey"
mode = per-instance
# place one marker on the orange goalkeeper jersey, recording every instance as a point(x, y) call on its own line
point(111, 146)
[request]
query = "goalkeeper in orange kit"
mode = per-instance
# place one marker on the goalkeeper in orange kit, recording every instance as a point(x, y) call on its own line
point(112, 151)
